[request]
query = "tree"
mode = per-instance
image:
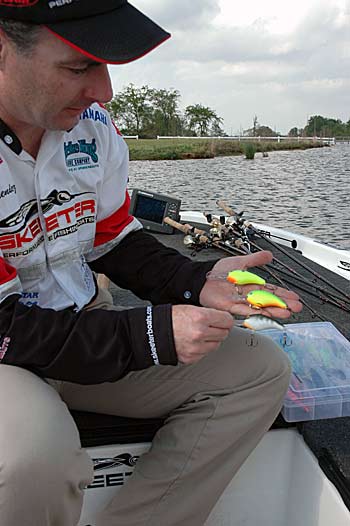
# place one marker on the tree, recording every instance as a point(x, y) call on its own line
point(132, 108)
point(265, 131)
point(216, 130)
point(166, 116)
point(324, 127)
point(200, 118)
point(255, 126)
point(259, 130)
point(293, 132)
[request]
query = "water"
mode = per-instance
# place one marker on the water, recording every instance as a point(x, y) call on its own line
point(302, 191)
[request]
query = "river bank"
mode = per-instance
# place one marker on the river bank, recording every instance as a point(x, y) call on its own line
point(303, 191)
point(173, 149)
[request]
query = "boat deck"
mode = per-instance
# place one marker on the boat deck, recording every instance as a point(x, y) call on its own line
point(328, 439)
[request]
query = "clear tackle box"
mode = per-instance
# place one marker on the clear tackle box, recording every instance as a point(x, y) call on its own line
point(320, 382)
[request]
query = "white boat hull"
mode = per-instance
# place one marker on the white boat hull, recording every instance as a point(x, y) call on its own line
point(281, 484)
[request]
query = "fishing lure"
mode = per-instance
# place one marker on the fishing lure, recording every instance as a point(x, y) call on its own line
point(262, 298)
point(259, 323)
point(243, 277)
point(237, 277)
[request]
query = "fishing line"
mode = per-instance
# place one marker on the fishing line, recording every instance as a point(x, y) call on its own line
point(331, 298)
point(302, 264)
point(344, 306)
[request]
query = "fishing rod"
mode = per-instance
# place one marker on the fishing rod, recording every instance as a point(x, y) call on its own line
point(232, 213)
point(342, 303)
point(338, 301)
point(304, 288)
point(201, 237)
point(332, 298)
point(221, 230)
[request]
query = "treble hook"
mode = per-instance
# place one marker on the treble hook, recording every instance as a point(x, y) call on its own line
point(251, 340)
point(286, 340)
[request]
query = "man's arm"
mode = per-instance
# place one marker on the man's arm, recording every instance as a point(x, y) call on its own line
point(87, 347)
point(153, 271)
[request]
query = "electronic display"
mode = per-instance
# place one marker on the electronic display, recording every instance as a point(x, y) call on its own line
point(151, 208)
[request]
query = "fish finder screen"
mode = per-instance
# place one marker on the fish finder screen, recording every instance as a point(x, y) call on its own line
point(150, 209)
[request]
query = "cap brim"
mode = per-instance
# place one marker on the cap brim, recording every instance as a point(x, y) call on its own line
point(115, 37)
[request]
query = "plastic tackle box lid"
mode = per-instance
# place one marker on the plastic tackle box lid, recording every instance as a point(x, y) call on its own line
point(320, 358)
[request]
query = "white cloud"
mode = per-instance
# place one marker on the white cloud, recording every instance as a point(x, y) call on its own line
point(281, 61)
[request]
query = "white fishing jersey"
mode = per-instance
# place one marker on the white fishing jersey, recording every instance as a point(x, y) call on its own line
point(64, 208)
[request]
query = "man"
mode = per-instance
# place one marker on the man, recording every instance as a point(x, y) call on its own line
point(63, 215)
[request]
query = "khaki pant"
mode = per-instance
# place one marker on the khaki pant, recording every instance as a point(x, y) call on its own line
point(216, 413)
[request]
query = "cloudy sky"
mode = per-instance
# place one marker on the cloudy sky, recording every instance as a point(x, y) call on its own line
point(282, 61)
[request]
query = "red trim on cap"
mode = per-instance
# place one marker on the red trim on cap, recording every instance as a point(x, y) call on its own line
point(102, 60)
point(13, 3)
point(109, 228)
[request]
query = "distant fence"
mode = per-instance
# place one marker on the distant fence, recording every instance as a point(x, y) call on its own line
point(279, 138)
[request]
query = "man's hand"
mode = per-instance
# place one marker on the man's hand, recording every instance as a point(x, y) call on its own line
point(222, 295)
point(198, 331)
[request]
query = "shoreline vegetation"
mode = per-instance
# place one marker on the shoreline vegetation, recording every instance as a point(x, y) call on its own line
point(179, 149)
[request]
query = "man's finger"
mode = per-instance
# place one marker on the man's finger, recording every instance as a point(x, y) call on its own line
point(257, 259)
point(218, 319)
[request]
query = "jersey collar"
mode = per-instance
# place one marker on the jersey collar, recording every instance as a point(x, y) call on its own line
point(10, 138)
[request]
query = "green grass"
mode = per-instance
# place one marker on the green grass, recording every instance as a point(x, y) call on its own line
point(163, 149)
point(250, 150)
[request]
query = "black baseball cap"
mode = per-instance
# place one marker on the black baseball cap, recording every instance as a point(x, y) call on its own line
point(109, 31)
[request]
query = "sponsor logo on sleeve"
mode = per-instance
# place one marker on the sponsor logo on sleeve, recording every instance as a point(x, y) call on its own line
point(150, 335)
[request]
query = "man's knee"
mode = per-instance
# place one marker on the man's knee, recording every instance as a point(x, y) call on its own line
point(249, 357)
point(40, 448)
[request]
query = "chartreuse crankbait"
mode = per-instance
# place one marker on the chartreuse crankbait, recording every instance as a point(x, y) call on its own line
point(243, 277)
point(263, 298)
point(259, 323)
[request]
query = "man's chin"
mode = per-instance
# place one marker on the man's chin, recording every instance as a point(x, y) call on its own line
point(64, 123)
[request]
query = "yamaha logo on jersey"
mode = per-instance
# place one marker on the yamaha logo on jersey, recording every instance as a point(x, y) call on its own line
point(81, 154)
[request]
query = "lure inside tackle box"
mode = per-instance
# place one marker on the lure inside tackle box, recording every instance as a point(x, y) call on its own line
point(320, 382)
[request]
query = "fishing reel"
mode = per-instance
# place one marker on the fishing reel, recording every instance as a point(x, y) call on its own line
point(230, 230)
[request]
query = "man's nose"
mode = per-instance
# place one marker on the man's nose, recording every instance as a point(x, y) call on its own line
point(99, 88)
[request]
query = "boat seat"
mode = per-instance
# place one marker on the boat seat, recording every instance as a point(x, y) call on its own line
point(102, 430)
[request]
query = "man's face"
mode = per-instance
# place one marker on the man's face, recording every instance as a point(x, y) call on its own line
point(50, 87)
